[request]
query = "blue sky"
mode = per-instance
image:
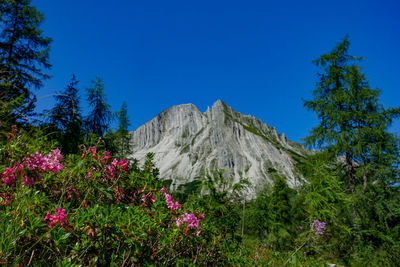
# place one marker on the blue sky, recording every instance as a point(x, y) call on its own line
point(254, 55)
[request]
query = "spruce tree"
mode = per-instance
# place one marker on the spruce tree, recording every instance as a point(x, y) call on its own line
point(66, 117)
point(123, 120)
point(122, 132)
point(100, 115)
point(24, 53)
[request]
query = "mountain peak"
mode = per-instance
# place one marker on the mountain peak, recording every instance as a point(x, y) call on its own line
point(218, 103)
point(188, 144)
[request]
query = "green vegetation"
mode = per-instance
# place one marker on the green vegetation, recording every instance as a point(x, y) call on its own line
point(86, 205)
point(24, 53)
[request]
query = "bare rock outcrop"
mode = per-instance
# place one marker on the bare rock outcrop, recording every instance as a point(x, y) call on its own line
point(188, 143)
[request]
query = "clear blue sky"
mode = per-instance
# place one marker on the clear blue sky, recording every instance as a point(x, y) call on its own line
point(254, 55)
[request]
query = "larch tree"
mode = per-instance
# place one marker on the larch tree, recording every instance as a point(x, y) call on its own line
point(353, 123)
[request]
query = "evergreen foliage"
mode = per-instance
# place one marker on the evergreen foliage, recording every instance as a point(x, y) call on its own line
point(82, 206)
point(100, 115)
point(123, 137)
point(24, 53)
point(66, 117)
point(353, 123)
point(122, 116)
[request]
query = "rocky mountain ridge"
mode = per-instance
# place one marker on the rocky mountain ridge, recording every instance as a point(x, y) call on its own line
point(188, 143)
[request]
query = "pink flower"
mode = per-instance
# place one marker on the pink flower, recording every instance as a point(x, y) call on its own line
point(58, 219)
point(35, 161)
point(123, 164)
point(152, 197)
point(190, 220)
point(163, 189)
point(198, 233)
point(171, 204)
point(27, 181)
point(114, 163)
point(18, 166)
point(93, 151)
point(149, 196)
point(175, 205)
point(53, 159)
point(9, 180)
point(167, 197)
point(178, 222)
point(106, 157)
point(119, 194)
point(49, 163)
point(110, 171)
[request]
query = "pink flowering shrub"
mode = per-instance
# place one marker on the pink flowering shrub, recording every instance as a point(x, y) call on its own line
point(8, 174)
point(58, 219)
point(189, 219)
point(173, 205)
point(114, 210)
point(48, 163)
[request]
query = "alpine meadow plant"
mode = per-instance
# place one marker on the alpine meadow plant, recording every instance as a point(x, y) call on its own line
point(94, 209)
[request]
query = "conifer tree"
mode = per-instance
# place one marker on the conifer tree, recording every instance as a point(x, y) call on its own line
point(24, 53)
point(100, 115)
point(66, 117)
point(122, 132)
point(123, 120)
point(353, 123)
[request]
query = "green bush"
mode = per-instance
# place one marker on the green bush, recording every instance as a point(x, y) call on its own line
point(93, 209)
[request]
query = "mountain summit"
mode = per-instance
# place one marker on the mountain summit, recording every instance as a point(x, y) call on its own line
point(188, 143)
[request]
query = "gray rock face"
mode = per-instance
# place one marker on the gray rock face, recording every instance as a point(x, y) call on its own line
point(187, 143)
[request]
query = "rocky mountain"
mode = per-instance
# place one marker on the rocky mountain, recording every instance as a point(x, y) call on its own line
point(187, 143)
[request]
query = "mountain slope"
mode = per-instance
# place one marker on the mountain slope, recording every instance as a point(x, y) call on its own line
point(187, 143)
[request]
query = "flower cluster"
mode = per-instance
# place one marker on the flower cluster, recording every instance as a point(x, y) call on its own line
point(168, 199)
point(27, 181)
point(91, 150)
point(58, 219)
point(171, 204)
point(8, 174)
point(106, 157)
point(122, 164)
point(118, 194)
point(149, 197)
point(110, 166)
point(190, 220)
point(48, 163)
point(317, 227)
